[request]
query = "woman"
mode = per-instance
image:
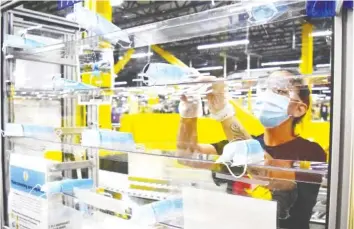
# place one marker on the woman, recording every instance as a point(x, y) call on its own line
point(280, 108)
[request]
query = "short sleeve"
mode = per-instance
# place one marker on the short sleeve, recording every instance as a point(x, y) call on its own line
point(220, 146)
point(314, 153)
point(317, 153)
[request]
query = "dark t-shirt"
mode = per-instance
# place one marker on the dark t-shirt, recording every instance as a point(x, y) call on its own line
point(298, 149)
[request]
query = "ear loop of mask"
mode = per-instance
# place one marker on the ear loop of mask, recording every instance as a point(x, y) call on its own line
point(244, 169)
point(146, 82)
point(125, 47)
point(40, 186)
point(232, 174)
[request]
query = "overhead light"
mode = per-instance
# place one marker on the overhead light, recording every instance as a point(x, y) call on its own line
point(322, 33)
point(236, 93)
point(326, 91)
point(323, 65)
point(138, 80)
point(281, 63)
point(223, 44)
point(139, 55)
point(210, 68)
point(116, 2)
point(318, 95)
point(319, 88)
point(120, 83)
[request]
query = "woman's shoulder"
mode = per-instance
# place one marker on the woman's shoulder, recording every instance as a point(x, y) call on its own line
point(308, 143)
point(312, 151)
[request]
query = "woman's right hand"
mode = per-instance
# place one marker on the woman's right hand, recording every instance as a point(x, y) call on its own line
point(215, 95)
point(218, 103)
point(190, 107)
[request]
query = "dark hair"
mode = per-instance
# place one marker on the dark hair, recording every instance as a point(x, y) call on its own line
point(303, 92)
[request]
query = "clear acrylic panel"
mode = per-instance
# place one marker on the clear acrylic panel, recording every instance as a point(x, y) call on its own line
point(166, 144)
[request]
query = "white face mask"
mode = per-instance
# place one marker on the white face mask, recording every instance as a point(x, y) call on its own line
point(242, 153)
point(271, 109)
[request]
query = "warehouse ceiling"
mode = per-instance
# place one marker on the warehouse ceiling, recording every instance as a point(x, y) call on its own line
point(279, 41)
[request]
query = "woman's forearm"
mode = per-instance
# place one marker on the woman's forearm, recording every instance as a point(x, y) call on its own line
point(187, 137)
point(234, 130)
point(187, 144)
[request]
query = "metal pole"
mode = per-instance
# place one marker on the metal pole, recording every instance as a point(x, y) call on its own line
point(2, 161)
point(336, 107)
point(342, 123)
point(248, 55)
point(293, 46)
point(248, 65)
point(7, 116)
point(225, 66)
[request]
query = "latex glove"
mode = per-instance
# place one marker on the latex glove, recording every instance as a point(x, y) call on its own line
point(190, 107)
point(216, 96)
point(218, 104)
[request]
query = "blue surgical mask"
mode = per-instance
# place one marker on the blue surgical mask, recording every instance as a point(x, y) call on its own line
point(95, 23)
point(271, 109)
point(241, 153)
point(161, 73)
point(263, 13)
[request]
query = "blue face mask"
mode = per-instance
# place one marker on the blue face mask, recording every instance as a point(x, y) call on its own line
point(263, 13)
point(271, 109)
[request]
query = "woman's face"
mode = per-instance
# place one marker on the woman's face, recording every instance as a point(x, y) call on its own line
point(280, 82)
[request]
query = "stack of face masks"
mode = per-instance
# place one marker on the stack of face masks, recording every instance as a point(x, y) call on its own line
point(29, 206)
point(65, 84)
point(158, 212)
point(66, 186)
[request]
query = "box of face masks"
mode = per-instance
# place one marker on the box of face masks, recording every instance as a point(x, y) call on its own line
point(29, 207)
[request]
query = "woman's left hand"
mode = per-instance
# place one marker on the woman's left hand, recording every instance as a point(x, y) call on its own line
point(280, 179)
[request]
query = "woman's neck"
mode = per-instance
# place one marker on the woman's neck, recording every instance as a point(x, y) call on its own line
point(280, 134)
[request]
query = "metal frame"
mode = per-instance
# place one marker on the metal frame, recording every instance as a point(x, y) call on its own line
point(342, 123)
point(6, 114)
point(9, 4)
point(63, 28)
point(2, 125)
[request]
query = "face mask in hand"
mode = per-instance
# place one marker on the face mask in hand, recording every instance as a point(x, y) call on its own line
point(241, 153)
point(271, 109)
